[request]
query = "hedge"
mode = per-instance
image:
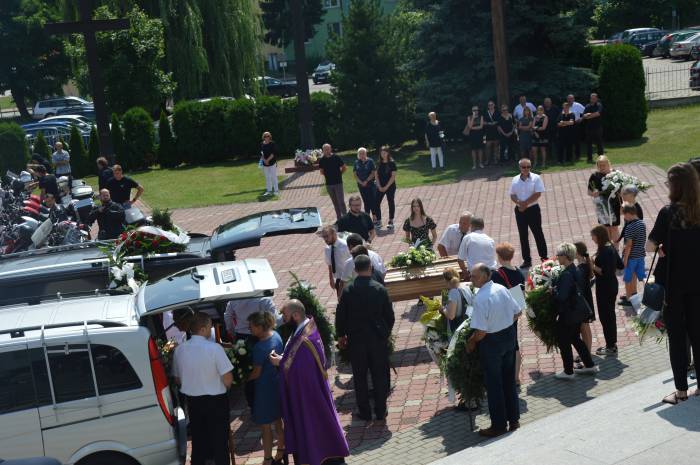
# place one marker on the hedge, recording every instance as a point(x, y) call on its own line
point(79, 162)
point(621, 90)
point(15, 154)
point(138, 139)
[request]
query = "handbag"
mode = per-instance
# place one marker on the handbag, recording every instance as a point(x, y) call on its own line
point(654, 293)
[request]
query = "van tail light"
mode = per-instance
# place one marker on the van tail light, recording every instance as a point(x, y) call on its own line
point(160, 381)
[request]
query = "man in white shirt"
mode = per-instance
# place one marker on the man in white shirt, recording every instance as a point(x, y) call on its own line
point(476, 247)
point(577, 109)
point(493, 318)
point(353, 240)
point(520, 108)
point(452, 237)
point(203, 371)
point(238, 311)
point(336, 254)
point(525, 191)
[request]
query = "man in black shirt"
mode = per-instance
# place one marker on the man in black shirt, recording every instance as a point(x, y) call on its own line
point(357, 221)
point(47, 182)
point(594, 126)
point(332, 169)
point(58, 213)
point(364, 320)
point(109, 217)
point(120, 186)
point(104, 172)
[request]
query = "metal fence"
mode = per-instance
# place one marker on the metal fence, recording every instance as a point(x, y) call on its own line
point(665, 81)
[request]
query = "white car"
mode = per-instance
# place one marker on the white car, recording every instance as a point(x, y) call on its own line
point(82, 376)
point(682, 48)
point(46, 108)
point(80, 121)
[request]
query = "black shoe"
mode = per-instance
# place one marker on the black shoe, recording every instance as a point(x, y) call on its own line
point(381, 416)
point(361, 416)
point(624, 302)
point(526, 264)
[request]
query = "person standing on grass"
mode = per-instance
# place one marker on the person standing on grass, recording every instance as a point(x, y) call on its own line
point(120, 187)
point(592, 116)
point(104, 172)
point(332, 169)
point(540, 134)
point(507, 138)
point(519, 110)
point(268, 155)
point(386, 184)
point(452, 236)
point(61, 161)
point(475, 132)
point(491, 118)
point(266, 409)
point(434, 136)
point(525, 192)
point(567, 134)
point(634, 253)
point(605, 267)
point(525, 128)
point(365, 172)
point(577, 109)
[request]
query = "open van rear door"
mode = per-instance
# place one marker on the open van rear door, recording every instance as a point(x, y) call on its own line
point(207, 283)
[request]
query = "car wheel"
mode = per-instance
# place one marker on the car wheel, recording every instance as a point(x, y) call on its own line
point(48, 115)
point(104, 458)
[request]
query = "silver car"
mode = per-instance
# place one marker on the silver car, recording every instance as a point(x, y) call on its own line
point(682, 48)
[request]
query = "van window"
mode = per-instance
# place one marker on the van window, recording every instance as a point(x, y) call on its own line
point(71, 373)
point(114, 372)
point(16, 387)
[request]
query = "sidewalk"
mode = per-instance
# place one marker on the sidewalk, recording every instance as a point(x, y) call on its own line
point(627, 427)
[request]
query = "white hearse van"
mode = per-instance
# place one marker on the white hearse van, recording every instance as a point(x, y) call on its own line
point(81, 378)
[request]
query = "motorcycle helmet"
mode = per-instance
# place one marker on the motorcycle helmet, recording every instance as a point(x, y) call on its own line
point(24, 231)
point(31, 222)
point(25, 177)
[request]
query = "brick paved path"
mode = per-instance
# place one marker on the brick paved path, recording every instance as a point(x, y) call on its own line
point(418, 407)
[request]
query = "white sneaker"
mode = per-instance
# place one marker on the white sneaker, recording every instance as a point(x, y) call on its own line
point(267, 193)
point(565, 376)
point(587, 371)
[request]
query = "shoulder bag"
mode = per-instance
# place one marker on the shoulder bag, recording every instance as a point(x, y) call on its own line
point(653, 296)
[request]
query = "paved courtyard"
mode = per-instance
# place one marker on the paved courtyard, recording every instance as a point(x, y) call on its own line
point(421, 425)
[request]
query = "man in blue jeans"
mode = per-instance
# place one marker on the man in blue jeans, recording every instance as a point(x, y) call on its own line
point(494, 313)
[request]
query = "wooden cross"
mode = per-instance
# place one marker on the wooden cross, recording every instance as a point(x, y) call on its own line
point(88, 27)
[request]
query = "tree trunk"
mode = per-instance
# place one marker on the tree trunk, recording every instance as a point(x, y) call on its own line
point(18, 97)
point(305, 117)
point(500, 54)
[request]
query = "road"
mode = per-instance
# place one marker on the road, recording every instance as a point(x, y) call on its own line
point(667, 78)
point(318, 87)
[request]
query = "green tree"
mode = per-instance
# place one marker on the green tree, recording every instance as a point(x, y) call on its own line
point(621, 90)
point(41, 146)
point(78, 154)
point(366, 80)
point(13, 141)
point(138, 134)
point(617, 15)
point(131, 61)
point(167, 149)
point(32, 62)
point(93, 147)
point(117, 138)
point(277, 17)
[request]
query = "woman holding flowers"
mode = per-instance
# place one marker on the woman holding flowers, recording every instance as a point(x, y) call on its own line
point(266, 402)
point(607, 207)
point(419, 226)
point(605, 268)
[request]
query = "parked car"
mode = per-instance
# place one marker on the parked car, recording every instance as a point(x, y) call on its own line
point(323, 72)
point(50, 107)
point(695, 76)
point(87, 111)
point(627, 33)
point(695, 52)
point(681, 48)
point(278, 87)
point(83, 378)
point(645, 41)
point(667, 41)
point(80, 121)
point(32, 461)
point(614, 39)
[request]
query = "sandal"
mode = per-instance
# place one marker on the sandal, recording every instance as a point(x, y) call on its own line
point(674, 398)
point(281, 458)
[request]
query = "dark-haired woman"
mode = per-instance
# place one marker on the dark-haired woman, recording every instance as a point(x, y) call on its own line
point(419, 226)
point(386, 183)
point(475, 132)
point(585, 269)
point(605, 267)
point(676, 234)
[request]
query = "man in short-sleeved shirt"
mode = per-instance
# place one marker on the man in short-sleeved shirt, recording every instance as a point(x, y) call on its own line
point(592, 116)
point(203, 371)
point(238, 311)
point(47, 182)
point(520, 108)
point(357, 221)
point(332, 169)
point(335, 254)
point(477, 247)
point(493, 316)
point(577, 109)
point(120, 187)
point(452, 237)
point(61, 160)
point(525, 191)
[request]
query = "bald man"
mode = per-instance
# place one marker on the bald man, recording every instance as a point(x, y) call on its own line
point(452, 236)
point(332, 169)
point(109, 216)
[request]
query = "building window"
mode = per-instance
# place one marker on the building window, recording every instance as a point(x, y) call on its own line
point(331, 3)
point(333, 29)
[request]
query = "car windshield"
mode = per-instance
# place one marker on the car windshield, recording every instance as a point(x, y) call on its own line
point(177, 288)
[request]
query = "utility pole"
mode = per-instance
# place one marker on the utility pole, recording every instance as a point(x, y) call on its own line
point(500, 56)
point(305, 117)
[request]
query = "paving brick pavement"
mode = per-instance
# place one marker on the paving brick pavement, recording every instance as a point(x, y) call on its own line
point(418, 407)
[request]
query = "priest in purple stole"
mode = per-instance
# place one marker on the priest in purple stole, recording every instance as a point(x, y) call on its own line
point(311, 426)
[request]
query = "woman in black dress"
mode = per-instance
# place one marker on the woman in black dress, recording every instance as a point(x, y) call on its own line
point(475, 131)
point(268, 157)
point(491, 133)
point(540, 137)
point(585, 269)
point(567, 134)
point(386, 183)
point(605, 267)
point(420, 226)
point(607, 208)
point(676, 235)
point(507, 139)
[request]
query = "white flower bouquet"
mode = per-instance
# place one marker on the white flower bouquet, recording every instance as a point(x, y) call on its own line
point(614, 181)
point(541, 312)
point(242, 361)
point(307, 157)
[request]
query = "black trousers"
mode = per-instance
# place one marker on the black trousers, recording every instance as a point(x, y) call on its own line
point(370, 354)
point(509, 145)
point(682, 318)
point(497, 356)
point(369, 198)
point(566, 148)
point(594, 136)
point(577, 137)
point(605, 297)
point(531, 218)
point(209, 427)
point(567, 336)
point(390, 194)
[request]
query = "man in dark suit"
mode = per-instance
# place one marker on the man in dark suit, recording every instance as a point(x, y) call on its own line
point(365, 318)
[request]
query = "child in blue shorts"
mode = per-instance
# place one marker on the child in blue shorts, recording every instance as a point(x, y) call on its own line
point(635, 234)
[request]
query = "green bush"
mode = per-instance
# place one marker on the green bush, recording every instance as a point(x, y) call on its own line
point(138, 138)
point(324, 115)
point(621, 89)
point(117, 137)
point(243, 129)
point(41, 146)
point(78, 154)
point(201, 131)
point(596, 54)
point(15, 154)
point(290, 138)
point(93, 147)
point(167, 148)
point(268, 114)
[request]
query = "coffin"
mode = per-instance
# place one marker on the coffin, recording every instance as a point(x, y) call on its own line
point(409, 283)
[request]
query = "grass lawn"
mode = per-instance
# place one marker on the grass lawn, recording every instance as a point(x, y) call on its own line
point(672, 137)
point(6, 102)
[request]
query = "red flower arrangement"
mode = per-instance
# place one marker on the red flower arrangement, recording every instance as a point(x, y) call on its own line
point(137, 242)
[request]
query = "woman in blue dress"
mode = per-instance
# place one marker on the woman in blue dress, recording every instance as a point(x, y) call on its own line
point(266, 408)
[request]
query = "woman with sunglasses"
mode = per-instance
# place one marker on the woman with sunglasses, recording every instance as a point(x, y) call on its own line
point(475, 131)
